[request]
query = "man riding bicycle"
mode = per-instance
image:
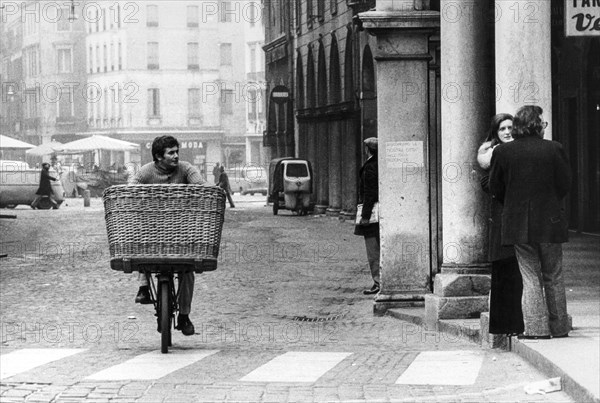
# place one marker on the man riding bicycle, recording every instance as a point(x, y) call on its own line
point(167, 169)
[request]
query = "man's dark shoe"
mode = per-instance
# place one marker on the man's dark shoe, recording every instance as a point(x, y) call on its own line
point(373, 290)
point(143, 296)
point(185, 325)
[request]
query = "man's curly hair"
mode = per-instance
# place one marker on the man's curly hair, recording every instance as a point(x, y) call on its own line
point(528, 122)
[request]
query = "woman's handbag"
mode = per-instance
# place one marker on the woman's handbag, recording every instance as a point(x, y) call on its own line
point(374, 214)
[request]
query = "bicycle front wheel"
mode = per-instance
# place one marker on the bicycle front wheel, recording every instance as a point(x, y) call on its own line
point(165, 317)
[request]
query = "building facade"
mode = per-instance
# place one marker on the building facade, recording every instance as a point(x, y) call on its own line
point(256, 153)
point(436, 73)
point(318, 50)
point(168, 70)
point(43, 85)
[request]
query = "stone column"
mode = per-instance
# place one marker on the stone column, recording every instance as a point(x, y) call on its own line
point(350, 137)
point(402, 57)
point(461, 289)
point(322, 171)
point(335, 166)
point(523, 67)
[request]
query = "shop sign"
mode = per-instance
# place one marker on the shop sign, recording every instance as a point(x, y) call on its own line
point(183, 144)
point(582, 17)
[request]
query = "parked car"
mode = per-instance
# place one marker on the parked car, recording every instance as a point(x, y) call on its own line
point(250, 179)
point(19, 182)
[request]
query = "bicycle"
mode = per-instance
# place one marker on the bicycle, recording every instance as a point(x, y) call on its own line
point(137, 243)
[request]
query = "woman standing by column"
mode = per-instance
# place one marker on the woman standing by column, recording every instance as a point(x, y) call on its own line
point(506, 316)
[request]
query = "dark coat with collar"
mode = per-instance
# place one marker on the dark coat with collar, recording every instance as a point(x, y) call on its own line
point(45, 188)
point(531, 176)
point(368, 194)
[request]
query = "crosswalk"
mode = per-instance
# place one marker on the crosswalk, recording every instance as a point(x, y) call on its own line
point(306, 367)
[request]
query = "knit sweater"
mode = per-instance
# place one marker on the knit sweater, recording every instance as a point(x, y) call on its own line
point(152, 173)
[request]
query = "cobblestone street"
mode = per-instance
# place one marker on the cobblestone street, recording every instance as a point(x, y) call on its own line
point(286, 286)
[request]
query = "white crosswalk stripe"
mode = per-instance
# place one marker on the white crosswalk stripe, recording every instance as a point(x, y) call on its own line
point(296, 366)
point(23, 360)
point(449, 367)
point(459, 368)
point(150, 366)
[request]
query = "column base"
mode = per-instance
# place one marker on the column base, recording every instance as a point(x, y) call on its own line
point(384, 301)
point(333, 212)
point(320, 208)
point(437, 307)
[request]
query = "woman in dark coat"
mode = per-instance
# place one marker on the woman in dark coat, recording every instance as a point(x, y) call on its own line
point(506, 316)
point(45, 188)
point(368, 193)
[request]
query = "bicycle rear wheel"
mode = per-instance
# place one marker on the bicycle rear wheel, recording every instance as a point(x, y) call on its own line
point(165, 317)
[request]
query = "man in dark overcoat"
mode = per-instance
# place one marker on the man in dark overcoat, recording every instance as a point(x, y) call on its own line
point(531, 176)
point(368, 193)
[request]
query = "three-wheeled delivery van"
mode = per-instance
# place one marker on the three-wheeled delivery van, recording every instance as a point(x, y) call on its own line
point(290, 184)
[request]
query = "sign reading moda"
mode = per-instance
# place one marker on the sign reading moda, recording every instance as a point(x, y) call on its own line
point(582, 17)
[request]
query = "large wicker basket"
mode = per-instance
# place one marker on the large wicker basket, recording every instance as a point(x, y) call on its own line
point(153, 226)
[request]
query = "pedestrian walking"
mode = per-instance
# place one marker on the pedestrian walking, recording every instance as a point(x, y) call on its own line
point(217, 172)
point(45, 188)
point(167, 168)
point(506, 316)
point(368, 223)
point(531, 176)
point(224, 184)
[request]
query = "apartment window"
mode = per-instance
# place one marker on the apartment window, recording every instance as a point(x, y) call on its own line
point(227, 101)
point(65, 103)
point(112, 56)
point(333, 6)
point(118, 17)
point(309, 13)
point(65, 60)
point(252, 104)
point(120, 56)
point(63, 23)
point(106, 107)
point(253, 59)
point(252, 13)
point(226, 54)
point(194, 102)
point(192, 17)
point(153, 102)
point(227, 11)
point(97, 59)
point(152, 16)
point(31, 102)
point(298, 15)
point(32, 55)
point(32, 21)
point(321, 10)
point(193, 50)
point(91, 60)
point(90, 106)
point(105, 54)
point(153, 56)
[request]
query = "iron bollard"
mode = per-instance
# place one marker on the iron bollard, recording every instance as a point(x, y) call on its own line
point(86, 198)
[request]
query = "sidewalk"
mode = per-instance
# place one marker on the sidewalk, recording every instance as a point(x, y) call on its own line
point(575, 359)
